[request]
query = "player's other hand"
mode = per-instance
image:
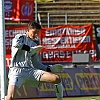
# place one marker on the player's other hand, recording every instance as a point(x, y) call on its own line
point(56, 68)
point(35, 49)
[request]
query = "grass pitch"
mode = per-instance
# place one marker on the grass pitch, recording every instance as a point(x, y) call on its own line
point(83, 98)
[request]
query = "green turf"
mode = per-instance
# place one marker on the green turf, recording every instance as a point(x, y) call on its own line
point(83, 98)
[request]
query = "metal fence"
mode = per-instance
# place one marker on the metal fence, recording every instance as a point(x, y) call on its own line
point(66, 15)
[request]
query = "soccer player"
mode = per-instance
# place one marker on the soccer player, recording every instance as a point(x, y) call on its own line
point(25, 67)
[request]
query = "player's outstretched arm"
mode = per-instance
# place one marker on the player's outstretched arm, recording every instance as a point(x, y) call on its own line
point(35, 49)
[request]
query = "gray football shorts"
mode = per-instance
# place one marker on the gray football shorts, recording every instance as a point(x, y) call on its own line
point(27, 76)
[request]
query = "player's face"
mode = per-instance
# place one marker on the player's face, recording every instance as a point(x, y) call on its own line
point(32, 33)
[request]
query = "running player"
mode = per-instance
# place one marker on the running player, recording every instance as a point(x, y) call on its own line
point(25, 67)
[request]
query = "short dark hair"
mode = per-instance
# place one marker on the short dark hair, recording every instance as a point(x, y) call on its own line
point(32, 25)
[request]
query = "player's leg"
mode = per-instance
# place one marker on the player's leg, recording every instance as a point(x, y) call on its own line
point(54, 79)
point(50, 78)
point(59, 91)
point(15, 81)
point(11, 92)
point(36, 76)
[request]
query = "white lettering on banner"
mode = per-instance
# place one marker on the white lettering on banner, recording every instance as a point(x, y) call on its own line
point(49, 40)
point(60, 46)
point(8, 42)
point(68, 31)
point(64, 42)
point(12, 33)
point(66, 54)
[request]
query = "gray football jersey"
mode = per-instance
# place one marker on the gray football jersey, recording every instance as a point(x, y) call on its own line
point(22, 58)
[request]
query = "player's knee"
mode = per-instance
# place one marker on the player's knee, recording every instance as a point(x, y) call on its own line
point(57, 79)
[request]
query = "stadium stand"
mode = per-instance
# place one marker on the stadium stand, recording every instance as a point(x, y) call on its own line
point(79, 12)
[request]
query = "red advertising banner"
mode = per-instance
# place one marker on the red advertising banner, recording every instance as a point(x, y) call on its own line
point(59, 42)
point(62, 41)
point(19, 10)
